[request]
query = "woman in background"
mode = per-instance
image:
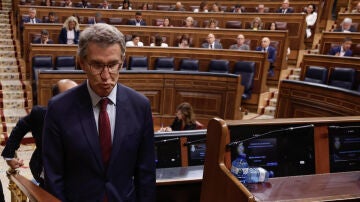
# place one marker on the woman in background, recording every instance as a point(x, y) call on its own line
point(166, 22)
point(125, 5)
point(256, 24)
point(184, 120)
point(70, 32)
point(311, 17)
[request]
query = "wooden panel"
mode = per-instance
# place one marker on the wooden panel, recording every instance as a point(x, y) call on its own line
point(329, 38)
point(206, 55)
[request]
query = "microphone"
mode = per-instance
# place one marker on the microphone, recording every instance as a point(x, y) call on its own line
point(195, 141)
point(167, 140)
point(232, 144)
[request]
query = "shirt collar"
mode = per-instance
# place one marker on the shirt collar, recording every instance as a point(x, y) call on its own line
point(95, 98)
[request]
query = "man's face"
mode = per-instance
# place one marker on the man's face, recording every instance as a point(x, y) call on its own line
point(265, 42)
point(51, 18)
point(138, 18)
point(32, 13)
point(136, 40)
point(44, 37)
point(347, 45)
point(102, 83)
point(285, 5)
point(240, 39)
point(211, 38)
point(346, 25)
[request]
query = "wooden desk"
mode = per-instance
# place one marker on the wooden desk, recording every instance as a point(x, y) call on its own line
point(320, 187)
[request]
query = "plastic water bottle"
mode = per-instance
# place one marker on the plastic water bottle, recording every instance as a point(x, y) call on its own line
point(239, 166)
point(256, 175)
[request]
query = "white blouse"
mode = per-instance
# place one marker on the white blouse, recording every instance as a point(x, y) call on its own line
point(70, 36)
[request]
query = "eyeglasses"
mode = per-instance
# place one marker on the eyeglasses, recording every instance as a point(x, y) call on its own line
point(98, 68)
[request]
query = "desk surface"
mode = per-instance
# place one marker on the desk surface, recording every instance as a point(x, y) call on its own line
point(179, 175)
point(320, 187)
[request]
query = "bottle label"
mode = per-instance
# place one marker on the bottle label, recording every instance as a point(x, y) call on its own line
point(262, 174)
point(242, 171)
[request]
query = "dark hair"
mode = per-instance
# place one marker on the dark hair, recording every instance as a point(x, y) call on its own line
point(347, 39)
point(134, 36)
point(158, 40)
point(44, 32)
point(138, 13)
point(51, 13)
point(314, 7)
point(188, 113)
point(202, 5)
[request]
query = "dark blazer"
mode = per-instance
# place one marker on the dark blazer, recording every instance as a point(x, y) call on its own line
point(38, 41)
point(340, 29)
point(337, 49)
point(74, 170)
point(33, 123)
point(176, 125)
point(217, 45)
point(27, 20)
point(63, 36)
point(289, 10)
point(271, 53)
point(133, 22)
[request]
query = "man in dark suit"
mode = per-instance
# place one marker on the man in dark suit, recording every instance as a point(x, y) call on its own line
point(265, 47)
point(32, 17)
point(346, 26)
point(285, 8)
point(44, 38)
point(51, 18)
point(99, 137)
point(96, 19)
point(105, 5)
point(211, 43)
point(33, 123)
point(343, 50)
point(138, 20)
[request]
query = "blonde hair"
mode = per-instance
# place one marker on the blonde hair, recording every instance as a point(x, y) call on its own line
point(71, 19)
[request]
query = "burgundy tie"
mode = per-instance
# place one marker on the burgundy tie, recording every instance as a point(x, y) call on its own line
point(104, 131)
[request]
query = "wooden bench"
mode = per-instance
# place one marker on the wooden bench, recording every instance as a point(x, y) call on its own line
point(330, 62)
point(336, 38)
point(203, 55)
point(219, 184)
point(304, 99)
point(295, 22)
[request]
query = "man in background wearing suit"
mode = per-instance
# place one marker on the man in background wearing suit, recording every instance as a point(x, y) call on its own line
point(33, 123)
point(342, 50)
point(32, 17)
point(44, 38)
point(138, 20)
point(99, 137)
point(285, 8)
point(265, 47)
point(211, 43)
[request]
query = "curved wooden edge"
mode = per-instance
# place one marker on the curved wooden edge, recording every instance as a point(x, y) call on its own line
point(29, 189)
point(218, 182)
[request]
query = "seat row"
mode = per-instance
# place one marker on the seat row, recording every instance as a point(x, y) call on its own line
point(339, 77)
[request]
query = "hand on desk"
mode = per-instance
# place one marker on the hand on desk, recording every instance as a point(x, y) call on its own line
point(15, 163)
point(165, 129)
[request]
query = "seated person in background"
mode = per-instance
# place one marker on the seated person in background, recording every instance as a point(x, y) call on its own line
point(189, 22)
point(240, 44)
point(357, 8)
point(285, 8)
point(265, 47)
point(70, 32)
point(256, 24)
point(44, 38)
point(84, 4)
point(216, 8)
point(105, 5)
point(203, 8)
point(125, 5)
point(144, 6)
point(260, 8)
point(96, 19)
point(212, 24)
point(51, 18)
point(166, 22)
point(135, 41)
point(237, 9)
point(159, 42)
point(68, 3)
point(33, 122)
point(46, 3)
point(32, 17)
point(211, 43)
point(311, 17)
point(184, 41)
point(343, 49)
point(138, 20)
point(178, 7)
point(346, 26)
point(184, 120)
point(273, 27)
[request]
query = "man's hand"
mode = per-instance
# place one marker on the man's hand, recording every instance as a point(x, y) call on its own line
point(15, 163)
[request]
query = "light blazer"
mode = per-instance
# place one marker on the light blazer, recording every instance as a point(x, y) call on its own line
point(74, 169)
point(33, 123)
point(337, 49)
point(63, 36)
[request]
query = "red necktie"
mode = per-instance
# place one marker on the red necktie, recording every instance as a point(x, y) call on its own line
point(104, 131)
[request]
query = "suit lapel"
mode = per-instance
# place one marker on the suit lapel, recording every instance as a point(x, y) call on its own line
point(87, 121)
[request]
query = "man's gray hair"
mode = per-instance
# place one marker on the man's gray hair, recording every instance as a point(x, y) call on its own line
point(103, 35)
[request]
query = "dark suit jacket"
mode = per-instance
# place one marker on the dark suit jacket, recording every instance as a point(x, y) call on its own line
point(337, 49)
point(271, 53)
point(289, 10)
point(133, 22)
point(27, 20)
point(33, 122)
point(63, 36)
point(38, 41)
point(92, 21)
point(217, 45)
point(340, 29)
point(176, 125)
point(74, 169)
